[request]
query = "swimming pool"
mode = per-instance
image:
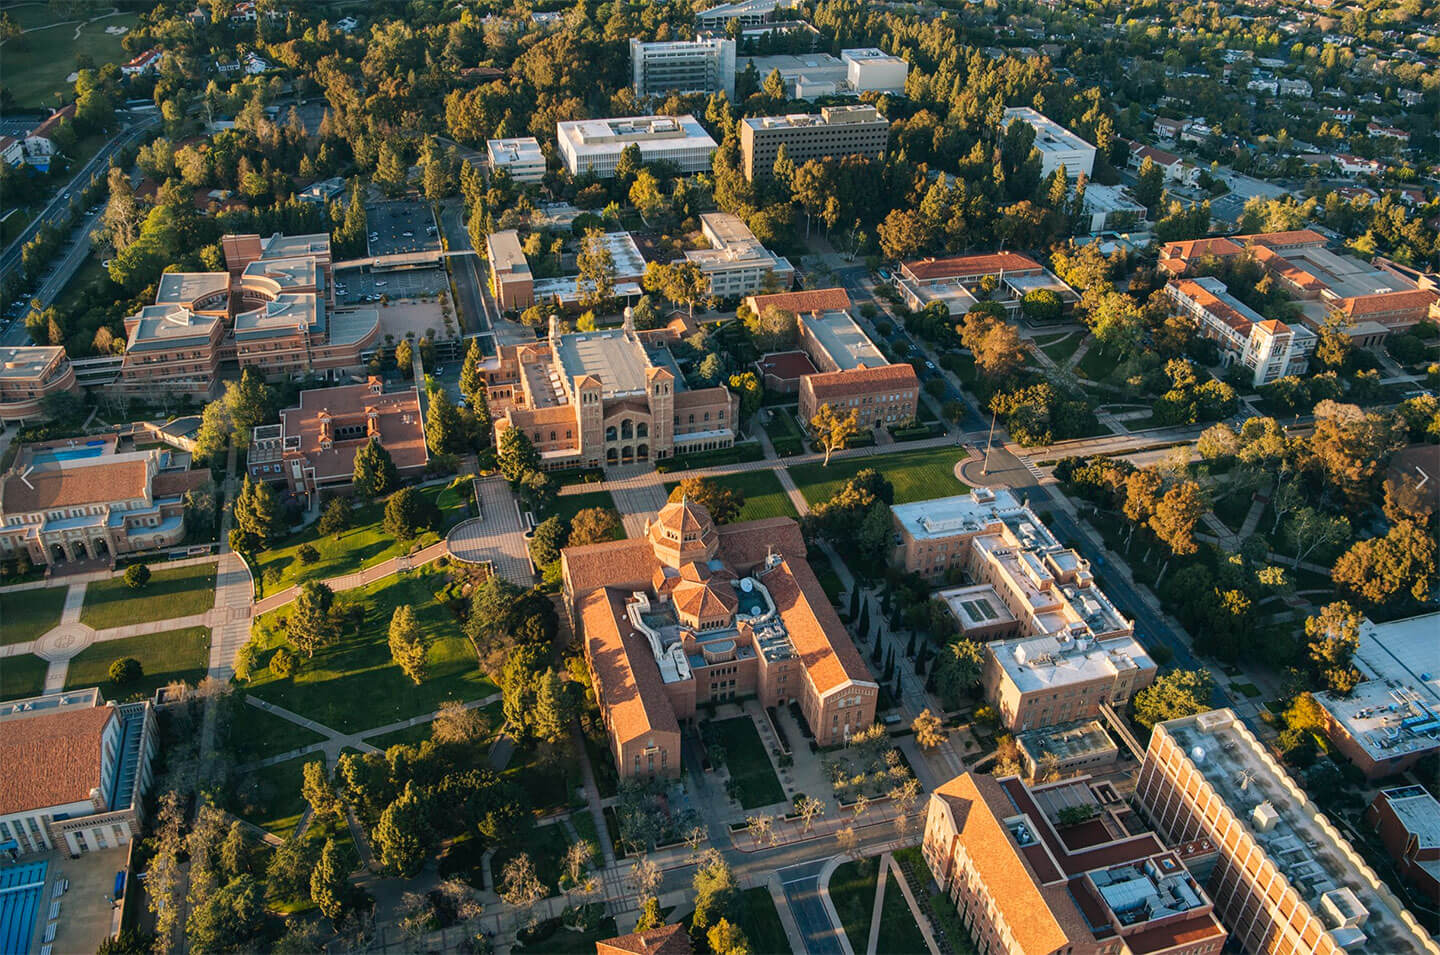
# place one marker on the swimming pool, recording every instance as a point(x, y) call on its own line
point(20, 890)
point(93, 450)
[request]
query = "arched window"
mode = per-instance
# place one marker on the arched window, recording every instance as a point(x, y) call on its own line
point(642, 430)
point(627, 430)
point(610, 433)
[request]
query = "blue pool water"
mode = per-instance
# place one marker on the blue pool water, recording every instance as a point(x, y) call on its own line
point(20, 890)
point(71, 454)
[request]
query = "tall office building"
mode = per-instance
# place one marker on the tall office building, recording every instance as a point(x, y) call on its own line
point(834, 131)
point(702, 65)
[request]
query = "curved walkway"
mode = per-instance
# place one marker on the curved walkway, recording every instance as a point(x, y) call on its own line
point(359, 578)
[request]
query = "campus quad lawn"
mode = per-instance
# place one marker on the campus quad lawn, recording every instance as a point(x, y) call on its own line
point(1059, 348)
point(27, 614)
point(566, 506)
point(546, 846)
point(171, 592)
point(915, 475)
point(899, 933)
point(353, 684)
point(164, 658)
point(748, 762)
point(363, 544)
point(270, 797)
point(852, 889)
point(36, 70)
point(764, 496)
point(420, 732)
point(256, 734)
point(762, 923)
point(22, 676)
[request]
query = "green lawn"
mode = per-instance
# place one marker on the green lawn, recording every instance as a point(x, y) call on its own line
point(568, 505)
point(916, 475)
point(420, 732)
point(1098, 363)
point(164, 657)
point(172, 592)
point(256, 734)
point(270, 797)
point(762, 923)
point(749, 764)
point(546, 847)
point(852, 889)
point(22, 676)
point(365, 543)
point(26, 614)
point(37, 65)
point(764, 496)
point(899, 933)
point(1060, 347)
point(353, 685)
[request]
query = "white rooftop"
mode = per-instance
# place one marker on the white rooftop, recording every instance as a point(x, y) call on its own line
point(616, 134)
point(1419, 811)
point(1050, 136)
point(961, 513)
point(843, 340)
point(1396, 710)
point(1048, 662)
point(518, 150)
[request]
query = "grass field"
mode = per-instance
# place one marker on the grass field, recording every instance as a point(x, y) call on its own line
point(354, 685)
point(1098, 363)
point(22, 676)
point(256, 734)
point(748, 762)
point(568, 505)
point(172, 592)
point(852, 889)
point(762, 923)
point(916, 475)
point(1060, 347)
point(164, 657)
point(38, 64)
point(365, 543)
point(546, 847)
point(26, 614)
point(270, 797)
point(764, 496)
point(899, 933)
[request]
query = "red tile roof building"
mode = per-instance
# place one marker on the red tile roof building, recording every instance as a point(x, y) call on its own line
point(693, 613)
point(665, 940)
point(1024, 882)
point(956, 280)
point(314, 445)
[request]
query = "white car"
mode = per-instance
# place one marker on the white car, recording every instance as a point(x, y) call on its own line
point(408, 235)
point(380, 284)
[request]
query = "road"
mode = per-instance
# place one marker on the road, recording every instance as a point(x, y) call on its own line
point(472, 302)
point(56, 209)
point(802, 893)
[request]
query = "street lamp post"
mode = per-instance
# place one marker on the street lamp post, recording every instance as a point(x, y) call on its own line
point(985, 469)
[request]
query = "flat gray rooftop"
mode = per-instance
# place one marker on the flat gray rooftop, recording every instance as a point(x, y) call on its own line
point(843, 341)
point(619, 363)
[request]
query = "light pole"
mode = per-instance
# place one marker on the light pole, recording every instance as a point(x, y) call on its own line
point(985, 469)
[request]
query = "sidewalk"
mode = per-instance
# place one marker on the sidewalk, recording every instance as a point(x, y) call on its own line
point(360, 578)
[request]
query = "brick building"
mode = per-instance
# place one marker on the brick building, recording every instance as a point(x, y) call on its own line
point(1027, 880)
point(959, 282)
point(30, 374)
point(1408, 821)
point(693, 613)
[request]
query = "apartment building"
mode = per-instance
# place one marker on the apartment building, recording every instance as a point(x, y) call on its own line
point(1063, 869)
point(605, 398)
point(1283, 879)
point(1058, 146)
point(1043, 680)
point(1270, 349)
point(702, 65)
point(79, 499)
point(1407, 819)
point(692, 613)
point(835, 131)
point(30, 374)
point(76, 772)
point(736, 263)
point(595, 145)
point(315, 443)
point(1392, 718)
point(519, 157)
point(957, 282)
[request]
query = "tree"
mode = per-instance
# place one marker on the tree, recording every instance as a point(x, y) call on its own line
point(1350, 447)
point(310, 625)
point(1149, 184)
point(228, 918)
point(683, 283)
point(250, 401)
point(410, 513)
point(515, 456)
point(215, 431)
point(831, 430)
point(1334, 637)
point(405, 358)
point(994, 343)
point(391, 172)
point(773, 329)
point(596, 267)
point(403, 834)
point(927, 729)
point(903, 233)
point(1381, 569)
point(1173, 695)
point(328, 882)
point(594, 525)
point(318, 792)
point(554, 708)
point(547, 541)
point(1310, 528)
point(1176, 515)
point(457, 723)
point(407, 646)
point(375, 474)
point(723, 503)
point(747, 386)
point(472, 379)
point(809, 809)
point(1142, 493)
point(137, 576)
point(957, 670)
point(444, 431)
point(519, 885)
point(256, 513)
point(727, 939)
point(125, 670)
point(335, 519)
point(715, 891)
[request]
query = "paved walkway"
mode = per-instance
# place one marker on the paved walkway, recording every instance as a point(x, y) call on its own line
point(638, 491)
point(360, 578)
point(921, 919)
point(496, 536)
point(592, 795)
point(878, 905)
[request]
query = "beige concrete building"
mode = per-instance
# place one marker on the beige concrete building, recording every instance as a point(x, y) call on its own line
point(834, 132)
point(1284, 880)
point(693, 613)
point(1039, 681)
point(28, 375)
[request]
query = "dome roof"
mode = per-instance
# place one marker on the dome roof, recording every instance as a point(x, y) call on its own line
point(705, 601)
point(685, 517)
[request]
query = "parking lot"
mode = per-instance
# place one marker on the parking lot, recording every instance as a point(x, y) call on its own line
point(399, 228)
point(360, 285)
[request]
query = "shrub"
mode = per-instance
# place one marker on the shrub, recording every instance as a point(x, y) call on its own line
point(284, 663)
point(125, 670)
point(307, 554)
point(137, 576)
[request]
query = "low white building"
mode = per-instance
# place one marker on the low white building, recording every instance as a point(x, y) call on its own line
point(1058, 146)
point(519, 156)
point(1271, 349)
point(737, 263)
point(1110, 209)
point(76, 772)
point(595, 145)
point(346, 24)
point(869, 70)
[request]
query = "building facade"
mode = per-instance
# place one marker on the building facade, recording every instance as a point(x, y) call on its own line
point(1408, 821)
point(595, 145)
point(737, 263)
point(1284, 880)
point(834, 132)
point(1058, 146)
point(605, 398)
point(1270, 349)
point(1040, 681)
point(702, 65)
point(511, 281)
point(315, 443)
point(692, 613)
point(518, 157)
point(1025, 880)
point(77, 770)
point(957, 281)
point(84, 498)
point(30, 374)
